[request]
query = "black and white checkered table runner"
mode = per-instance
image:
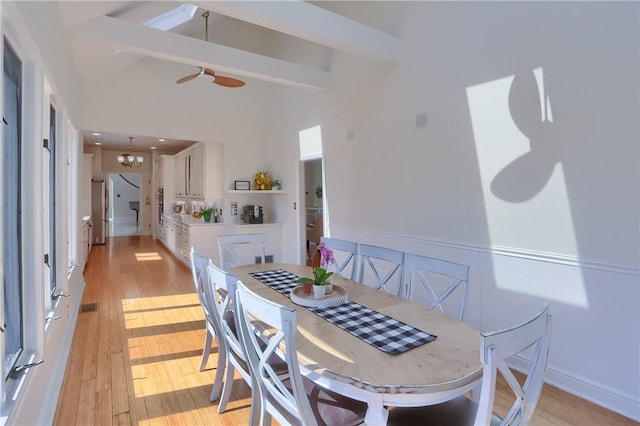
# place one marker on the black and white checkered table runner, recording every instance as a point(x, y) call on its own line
point(383, 332)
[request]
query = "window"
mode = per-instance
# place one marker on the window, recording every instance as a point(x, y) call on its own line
point(11, 205)
point(50, 197)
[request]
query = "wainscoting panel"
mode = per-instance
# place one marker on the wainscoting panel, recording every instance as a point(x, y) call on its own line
point(595, 344)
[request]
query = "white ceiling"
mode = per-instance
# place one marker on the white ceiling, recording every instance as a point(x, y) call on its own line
point(118, 142)
point(106, 37)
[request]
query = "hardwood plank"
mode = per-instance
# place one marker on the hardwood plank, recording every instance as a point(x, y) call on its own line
point(135, 361)
point(119, 399)
point(87, 403)
point(89, 366)
point(103, 366)
point(104, 413)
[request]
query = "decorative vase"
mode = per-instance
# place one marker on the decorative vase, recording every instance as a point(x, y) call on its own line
point(328, 288)
point(207, 217)
point(318, 291)
point(307, 288)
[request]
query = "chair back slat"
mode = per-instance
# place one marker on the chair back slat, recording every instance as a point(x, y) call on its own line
point(278, 392)
point(239, 249)
point(531, 339)
point(222, 288)
point(385, 265)
point(345, 253)
point(432, 281)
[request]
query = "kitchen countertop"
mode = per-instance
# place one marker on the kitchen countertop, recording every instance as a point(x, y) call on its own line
point(187, 219)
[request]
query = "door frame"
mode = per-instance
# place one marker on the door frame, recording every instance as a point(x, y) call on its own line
point(302, 203)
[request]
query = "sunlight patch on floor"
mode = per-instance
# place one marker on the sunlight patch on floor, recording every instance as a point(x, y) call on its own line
point(141, 257)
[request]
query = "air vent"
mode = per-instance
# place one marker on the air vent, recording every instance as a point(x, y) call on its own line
point(89, 307)
point(267, 258)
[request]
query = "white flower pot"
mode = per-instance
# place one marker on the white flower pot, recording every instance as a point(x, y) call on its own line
point(318, 291)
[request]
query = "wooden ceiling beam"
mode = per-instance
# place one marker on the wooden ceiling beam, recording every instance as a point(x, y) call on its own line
point(178, 48)
point(304, 20)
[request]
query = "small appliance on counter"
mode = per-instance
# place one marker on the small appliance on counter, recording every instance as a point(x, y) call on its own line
point(178, 207)
point(252, 214)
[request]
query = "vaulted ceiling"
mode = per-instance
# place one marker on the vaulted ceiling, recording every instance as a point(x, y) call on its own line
point(243, 38)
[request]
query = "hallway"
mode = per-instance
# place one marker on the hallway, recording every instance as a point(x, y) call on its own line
point(135, 360)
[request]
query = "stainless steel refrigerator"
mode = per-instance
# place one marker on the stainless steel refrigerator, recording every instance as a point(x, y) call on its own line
point(99, 206)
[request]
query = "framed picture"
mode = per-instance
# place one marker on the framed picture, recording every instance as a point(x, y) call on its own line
point(242, 185)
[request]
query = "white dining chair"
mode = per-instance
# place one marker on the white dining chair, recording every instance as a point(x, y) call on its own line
point(222, 287)
point(290, 398)
point(346, 254)
point(199, 277)
point(531, 339)
point(437, 283)
point(240, 249)
point(381, 268)
point(200, 274)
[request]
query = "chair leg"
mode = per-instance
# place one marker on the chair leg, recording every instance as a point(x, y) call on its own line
point(208, 338)
point(226, 387)
point(217, 381)
point(256, 404)
point(266, 417)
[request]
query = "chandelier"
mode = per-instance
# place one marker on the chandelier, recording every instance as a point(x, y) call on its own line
point(130, 160)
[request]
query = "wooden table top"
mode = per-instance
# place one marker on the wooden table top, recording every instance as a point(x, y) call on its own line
point(449, 362)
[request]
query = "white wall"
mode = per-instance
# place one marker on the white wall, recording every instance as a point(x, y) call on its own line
point(123, 193)
point(35, 30)
point(559, 225)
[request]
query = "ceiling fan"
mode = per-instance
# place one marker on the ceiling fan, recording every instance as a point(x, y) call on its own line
point(217, 79)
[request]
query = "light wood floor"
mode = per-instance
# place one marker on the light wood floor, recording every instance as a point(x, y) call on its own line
point(135, 359)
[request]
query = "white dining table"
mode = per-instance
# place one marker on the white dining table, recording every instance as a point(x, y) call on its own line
point(428, 374)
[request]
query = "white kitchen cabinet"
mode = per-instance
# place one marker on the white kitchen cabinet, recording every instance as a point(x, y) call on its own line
point(180, 181)
point(198, 172)
point(162, 233)
point(205, 240)
point(183, 245)
point(85, 247)
point(170, 228)
point(182, 236)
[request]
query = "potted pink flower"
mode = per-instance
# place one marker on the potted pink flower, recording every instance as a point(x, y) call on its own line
point(320, 274)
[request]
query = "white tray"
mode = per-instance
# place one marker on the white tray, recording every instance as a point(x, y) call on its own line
point(336, 298)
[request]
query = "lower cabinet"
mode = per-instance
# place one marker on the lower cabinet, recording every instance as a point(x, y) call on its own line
point(180, 237)
point(87, 238)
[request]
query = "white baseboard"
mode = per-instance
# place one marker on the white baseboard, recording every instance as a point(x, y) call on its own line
point(586, 389)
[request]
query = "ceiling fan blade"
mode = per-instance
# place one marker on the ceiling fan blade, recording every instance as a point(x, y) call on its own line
point(228, 81)
point(187, 78)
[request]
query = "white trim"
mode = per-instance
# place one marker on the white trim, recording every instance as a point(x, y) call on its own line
point(534, 255)
point(43, 383)
point(611, 398)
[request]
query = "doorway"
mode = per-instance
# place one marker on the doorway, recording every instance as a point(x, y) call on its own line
point(313, 207)
point(124, 204)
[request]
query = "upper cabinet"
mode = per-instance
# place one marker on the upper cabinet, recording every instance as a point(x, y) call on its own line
point(198, 172)
point(180, 181)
